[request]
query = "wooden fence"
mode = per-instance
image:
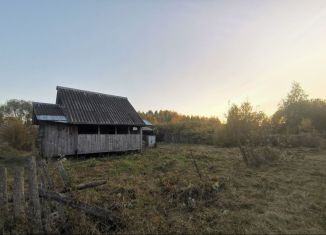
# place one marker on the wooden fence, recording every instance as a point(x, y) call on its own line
point(19, 210)
point(40, 207)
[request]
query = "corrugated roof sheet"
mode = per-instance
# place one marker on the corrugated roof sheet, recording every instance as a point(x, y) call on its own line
point(85, 107)
point(48, 112)
point(47, 109)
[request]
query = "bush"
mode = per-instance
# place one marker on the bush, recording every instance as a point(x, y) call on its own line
point(257, 156)
point(18, 135)
point(189, 132)
point(309, 140)
point(6, 150)
point(172, 127)
point(305, 140)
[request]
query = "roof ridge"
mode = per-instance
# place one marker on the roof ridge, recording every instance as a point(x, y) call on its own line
point(44, 103)
point(93, 92)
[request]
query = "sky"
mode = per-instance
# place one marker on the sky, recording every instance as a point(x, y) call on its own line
point(193, 57)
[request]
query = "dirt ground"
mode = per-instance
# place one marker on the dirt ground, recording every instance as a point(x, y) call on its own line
point(166, 190)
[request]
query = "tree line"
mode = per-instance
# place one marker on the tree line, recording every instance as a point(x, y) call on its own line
point(297, 120)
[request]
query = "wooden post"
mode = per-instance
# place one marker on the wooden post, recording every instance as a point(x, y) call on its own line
point(45, 172)
point(18, 192)
point(34, 200)
point(3, 198)
point(50, 186)
point(64, 176)
point(141, 138)
point(45, 205)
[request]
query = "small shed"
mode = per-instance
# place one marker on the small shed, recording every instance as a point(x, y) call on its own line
point(85, 122)
point(149, 136)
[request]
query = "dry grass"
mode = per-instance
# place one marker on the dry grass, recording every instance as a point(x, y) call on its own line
point(160, 191)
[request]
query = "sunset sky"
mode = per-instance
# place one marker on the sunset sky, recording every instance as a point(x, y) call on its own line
point(194, 57)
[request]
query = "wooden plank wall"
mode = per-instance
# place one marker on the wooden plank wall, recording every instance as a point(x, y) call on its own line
point(60, 139)
point(108, 143)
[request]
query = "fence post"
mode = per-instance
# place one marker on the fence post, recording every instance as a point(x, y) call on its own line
point(50, 186)
point(46, 209)
point(64, 176)
point(3, 197)
point(35, 206)
point(18, 192)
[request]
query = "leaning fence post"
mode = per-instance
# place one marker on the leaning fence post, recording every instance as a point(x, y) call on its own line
point(35, 206)
point(3, 197)
point(64, 176)
point(18, 192)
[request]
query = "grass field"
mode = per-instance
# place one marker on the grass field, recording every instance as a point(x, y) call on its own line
point(160, 191)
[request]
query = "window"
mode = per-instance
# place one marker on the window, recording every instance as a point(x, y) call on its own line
point(135, 130)
point(107, 130)
point(122, 129)
point(87, 129)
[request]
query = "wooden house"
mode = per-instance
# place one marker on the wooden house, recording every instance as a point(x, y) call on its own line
point(84, 122)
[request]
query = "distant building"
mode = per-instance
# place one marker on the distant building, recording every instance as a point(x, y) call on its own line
point(149, 136)
point(84, 122)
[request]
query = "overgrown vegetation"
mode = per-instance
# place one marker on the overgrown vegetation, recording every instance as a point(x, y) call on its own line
point(16, 129)
point(297, 116)
point(297, 113)
point(176, 128)
point(160, 191)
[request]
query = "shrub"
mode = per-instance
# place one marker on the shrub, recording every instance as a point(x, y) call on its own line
point(309, 140)
point(257, 156)
point(6, 150)
point(305, 140)
point(17, 134)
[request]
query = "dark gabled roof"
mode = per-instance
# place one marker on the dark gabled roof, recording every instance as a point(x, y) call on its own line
point(85, 107)
point(48, 112)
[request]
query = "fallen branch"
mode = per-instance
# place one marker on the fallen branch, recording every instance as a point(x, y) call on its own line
point(95, 211)
point(92, 184)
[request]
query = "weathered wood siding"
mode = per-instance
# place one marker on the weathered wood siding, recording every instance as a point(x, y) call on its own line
point(57, 139)
point(60, 139)
point(108, 143)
